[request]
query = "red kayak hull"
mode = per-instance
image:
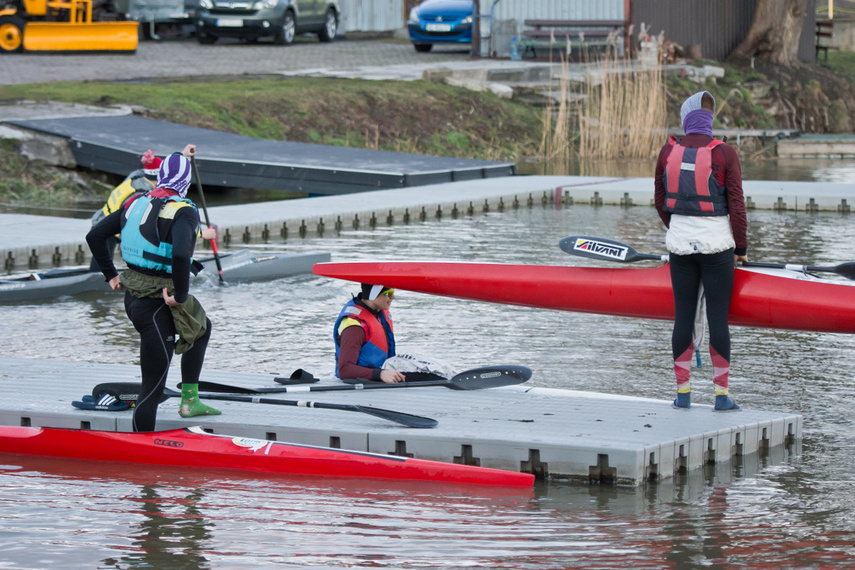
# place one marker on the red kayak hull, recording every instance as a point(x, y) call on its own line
point(192, 447)
point(762, 299)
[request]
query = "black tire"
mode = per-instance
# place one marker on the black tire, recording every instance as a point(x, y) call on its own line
point(12, 34)
point(330, 29)
point(423, 48)
point(285, 35)
point(145, 31)
point(204, 38)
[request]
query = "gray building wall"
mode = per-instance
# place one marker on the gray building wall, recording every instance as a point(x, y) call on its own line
point(371, 15)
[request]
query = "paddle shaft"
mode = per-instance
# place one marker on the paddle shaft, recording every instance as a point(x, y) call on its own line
point(474, 379)
point(207, 219)
point(844, 269)
point(393, 416)
point(610, 250)
point(294, 389)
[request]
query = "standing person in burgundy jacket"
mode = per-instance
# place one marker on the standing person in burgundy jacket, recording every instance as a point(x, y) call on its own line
point(698, 194)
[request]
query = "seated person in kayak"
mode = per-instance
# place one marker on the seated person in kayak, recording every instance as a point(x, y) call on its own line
point(364, 337)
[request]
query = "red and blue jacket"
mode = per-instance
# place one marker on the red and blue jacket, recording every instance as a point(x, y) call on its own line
point(379, 334)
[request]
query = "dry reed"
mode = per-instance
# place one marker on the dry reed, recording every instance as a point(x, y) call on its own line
point(622, 114)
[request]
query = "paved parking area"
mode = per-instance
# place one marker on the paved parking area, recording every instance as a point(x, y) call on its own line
point(175, 58)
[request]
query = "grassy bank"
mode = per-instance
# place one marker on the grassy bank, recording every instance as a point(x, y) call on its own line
point(416, 117)
point(412, 117)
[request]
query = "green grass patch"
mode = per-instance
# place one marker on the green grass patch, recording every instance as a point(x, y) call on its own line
point(431, 117)
point(842, 63)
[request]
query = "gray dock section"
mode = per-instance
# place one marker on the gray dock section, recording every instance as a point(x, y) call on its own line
point(37, 241)
point(826, 145)
point(556, 434)
point(103, 143)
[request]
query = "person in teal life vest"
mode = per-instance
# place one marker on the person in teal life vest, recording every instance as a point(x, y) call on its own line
point(139, 181)
point(364, 336)
point(698, 195)
point(158, 235)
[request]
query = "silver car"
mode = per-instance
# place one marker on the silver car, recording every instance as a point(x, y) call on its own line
point(280, 20)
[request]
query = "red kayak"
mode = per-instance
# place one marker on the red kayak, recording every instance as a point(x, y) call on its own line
point(762, 298)
point(193, 447)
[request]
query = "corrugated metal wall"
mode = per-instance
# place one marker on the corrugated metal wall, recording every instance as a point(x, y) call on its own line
point(502, 19)
point(717, 25)
point(371, 15)
point(554, 9)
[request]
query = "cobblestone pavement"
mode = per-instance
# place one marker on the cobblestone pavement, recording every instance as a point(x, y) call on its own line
point(175, 58)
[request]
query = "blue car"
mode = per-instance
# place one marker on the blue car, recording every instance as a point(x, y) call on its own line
point(441, 22)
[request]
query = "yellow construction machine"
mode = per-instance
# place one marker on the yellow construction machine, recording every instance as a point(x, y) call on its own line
point(65, 26)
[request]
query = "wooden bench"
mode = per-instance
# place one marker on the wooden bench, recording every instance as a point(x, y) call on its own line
point(824, 29)
point(552, 34)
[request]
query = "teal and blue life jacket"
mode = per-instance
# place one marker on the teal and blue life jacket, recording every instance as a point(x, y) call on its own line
point(145, 224)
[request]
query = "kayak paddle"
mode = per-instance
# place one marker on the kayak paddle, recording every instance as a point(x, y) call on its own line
point(610, 250)
point(408, 420)
point(847, 269)
point(605, 249)
point(474, 379)
point(207, 219)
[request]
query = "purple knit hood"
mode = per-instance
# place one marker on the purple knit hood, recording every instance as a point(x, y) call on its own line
point(696, 119)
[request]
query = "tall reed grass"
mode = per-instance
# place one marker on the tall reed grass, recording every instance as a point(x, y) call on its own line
point(617, 113)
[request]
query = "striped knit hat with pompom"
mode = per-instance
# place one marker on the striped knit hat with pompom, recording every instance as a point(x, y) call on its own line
point(175, 174)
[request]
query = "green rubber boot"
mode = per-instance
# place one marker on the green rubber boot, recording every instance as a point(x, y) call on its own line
point(191, 405)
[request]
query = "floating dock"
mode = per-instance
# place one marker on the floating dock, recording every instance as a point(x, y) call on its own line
point(830, 146)
point(554, 434)
point(29, 242)
point(114, 144)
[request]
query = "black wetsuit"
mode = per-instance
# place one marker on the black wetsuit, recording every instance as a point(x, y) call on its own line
point(151, 316)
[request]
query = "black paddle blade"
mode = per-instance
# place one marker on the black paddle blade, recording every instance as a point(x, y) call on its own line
point(847, 270)
point(408, 420)
point(604, 249)
point(490, 377)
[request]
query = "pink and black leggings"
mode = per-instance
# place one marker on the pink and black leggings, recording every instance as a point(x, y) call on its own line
point(716, 272)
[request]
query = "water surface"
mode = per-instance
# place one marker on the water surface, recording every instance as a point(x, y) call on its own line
point(793, 509)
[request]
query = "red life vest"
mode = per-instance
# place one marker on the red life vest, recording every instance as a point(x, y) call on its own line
point(692, 190)
point(379, 335)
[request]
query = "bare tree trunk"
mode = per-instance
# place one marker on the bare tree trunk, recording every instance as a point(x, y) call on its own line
point(775, 32)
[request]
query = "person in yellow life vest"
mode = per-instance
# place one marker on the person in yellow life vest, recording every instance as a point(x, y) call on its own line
point(139, 181)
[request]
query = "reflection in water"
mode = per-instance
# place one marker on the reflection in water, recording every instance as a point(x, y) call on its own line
point(173, 532)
